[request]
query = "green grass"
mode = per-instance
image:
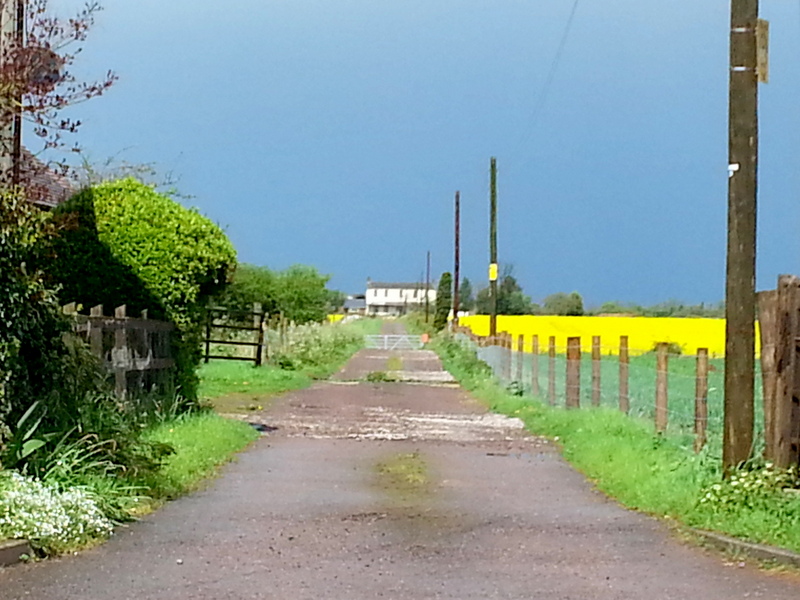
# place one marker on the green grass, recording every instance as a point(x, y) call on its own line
point(642, 390)
point(202, 442)
point(249, 384)
point(233, 386)
point(659, 475)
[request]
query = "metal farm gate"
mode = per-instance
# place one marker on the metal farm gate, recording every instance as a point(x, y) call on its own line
point(394, 342)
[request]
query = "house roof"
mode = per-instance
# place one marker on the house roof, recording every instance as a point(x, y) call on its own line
point(43, 186)
point(371, 285)
point(355, 304)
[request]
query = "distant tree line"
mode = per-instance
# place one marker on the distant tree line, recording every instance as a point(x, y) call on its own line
point(512, 300)
point(299, 292)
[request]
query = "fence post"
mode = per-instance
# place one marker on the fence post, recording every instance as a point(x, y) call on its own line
point(662, 370)
point(551, 371)
point(96, 331)
point(520, 354)
point(258, 321)
point(573, 372)
point(624, 367)
point(768, 324)
point(535, 390)
point(701, 400)
point(508, 355)
point(119, 356)
point(596, 387)
point(209, 321)
point(786, 387)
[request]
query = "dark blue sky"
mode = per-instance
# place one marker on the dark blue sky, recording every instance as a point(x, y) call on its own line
point(335, 133)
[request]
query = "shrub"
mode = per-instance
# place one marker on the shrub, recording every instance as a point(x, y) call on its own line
point(570, 305)
point(314, 345)
point(122, 242)
point(51, 519)
point(299, 292)
point(31, 348)
point(444, 301)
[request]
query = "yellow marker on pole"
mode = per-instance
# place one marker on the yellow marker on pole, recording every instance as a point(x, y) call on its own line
point(493, 272)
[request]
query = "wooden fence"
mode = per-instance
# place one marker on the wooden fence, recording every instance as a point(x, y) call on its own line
point(573, 375)
point(779, 314)
point(225, 329)
point(136, 350)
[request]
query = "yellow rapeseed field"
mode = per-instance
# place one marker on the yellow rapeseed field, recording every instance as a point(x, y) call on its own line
point(643, 332)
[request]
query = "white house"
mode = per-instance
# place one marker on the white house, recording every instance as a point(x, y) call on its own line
point(395, 299)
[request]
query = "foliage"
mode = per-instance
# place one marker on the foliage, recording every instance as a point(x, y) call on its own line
point(31, 347)
point(81, 493)
point(123, 243)
point(220, 378)
point(250, 285)
point(35, 70)
point(202, 442)
point(466, 296)
point(379, 377)
point(568, 305)
point(299, 292)
point(51, 519)
point(416, 323)
point(670, 308)
point(336, 300)
point(444, 301)
point(52, 388)
point(314, 347)
point(510, 298)
point(89, 463)
point(757, 489)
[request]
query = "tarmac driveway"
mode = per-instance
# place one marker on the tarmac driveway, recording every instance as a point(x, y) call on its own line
point(394, 491)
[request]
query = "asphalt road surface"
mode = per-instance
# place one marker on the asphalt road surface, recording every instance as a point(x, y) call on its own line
point(395, 491)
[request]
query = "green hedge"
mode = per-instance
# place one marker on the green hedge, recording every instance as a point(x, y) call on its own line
point(122, 242)
point(31, 325)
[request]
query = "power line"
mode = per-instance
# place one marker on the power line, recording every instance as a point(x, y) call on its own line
point(551, 75)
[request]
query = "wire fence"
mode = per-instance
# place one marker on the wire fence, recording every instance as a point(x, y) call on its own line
point(670, 399)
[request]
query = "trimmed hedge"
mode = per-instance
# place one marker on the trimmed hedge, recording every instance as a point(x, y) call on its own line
point(122, 242)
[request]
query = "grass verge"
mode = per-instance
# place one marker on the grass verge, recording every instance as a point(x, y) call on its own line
point(643, 471)
point(202, 443)
point(232, 386)
point(241, 385)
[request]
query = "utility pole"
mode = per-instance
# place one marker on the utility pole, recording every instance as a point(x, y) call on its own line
point(457, 265)
point(740, 297)
point(12, 25)
point(493, 249)
point(19, 40)
point(7, 28)
point(428, 287)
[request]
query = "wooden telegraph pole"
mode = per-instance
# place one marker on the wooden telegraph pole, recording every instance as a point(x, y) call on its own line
point(457, 265)
point(493, 249)
point(740, 297)
point(12, 25)
point(428, 287)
